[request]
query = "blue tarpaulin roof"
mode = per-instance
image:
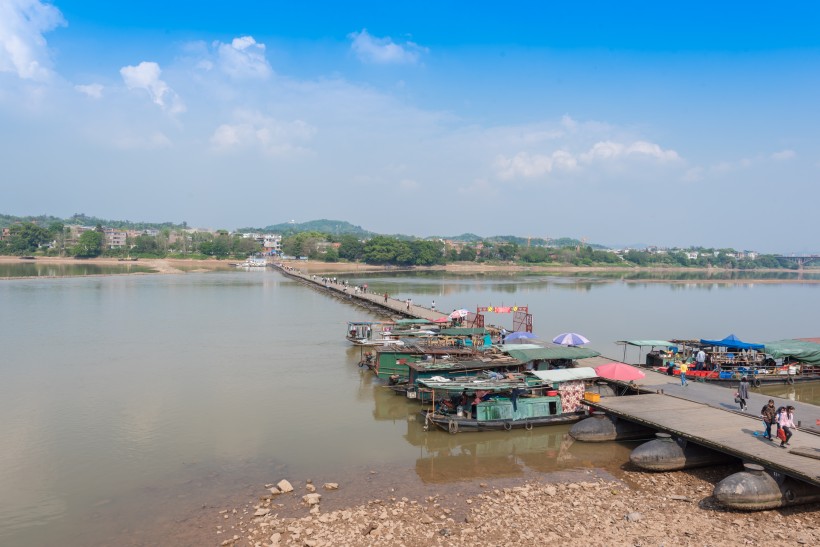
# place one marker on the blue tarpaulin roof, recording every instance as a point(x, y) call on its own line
point(732, 341)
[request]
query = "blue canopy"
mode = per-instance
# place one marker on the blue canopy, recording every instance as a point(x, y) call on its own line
point(732, 342)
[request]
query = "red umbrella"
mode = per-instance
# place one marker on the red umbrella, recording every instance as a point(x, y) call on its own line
point(619, 371)
point(442, 320)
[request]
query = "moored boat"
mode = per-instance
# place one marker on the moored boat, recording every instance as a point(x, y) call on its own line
point(540, 398)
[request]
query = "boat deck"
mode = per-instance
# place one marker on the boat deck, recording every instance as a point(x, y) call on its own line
point(726, 432)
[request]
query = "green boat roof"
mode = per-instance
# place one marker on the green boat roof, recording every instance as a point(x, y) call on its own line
point(558, 352)
point(413, 322)
point(807, 352)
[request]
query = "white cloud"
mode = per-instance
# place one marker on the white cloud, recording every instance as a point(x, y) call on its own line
point(784, 155)
point(268, 134)
point(242, 58)
point(532, 165)
point(146, 76)
point(609, 150)
point(92, 90)
point(370, 49)
point(23, 49)
point(528, 165)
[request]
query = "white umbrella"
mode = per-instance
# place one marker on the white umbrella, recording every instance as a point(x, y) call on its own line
point(459, 313)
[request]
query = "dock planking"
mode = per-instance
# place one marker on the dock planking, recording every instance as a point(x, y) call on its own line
point(719, 430)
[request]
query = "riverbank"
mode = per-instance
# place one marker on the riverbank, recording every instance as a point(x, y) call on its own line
point(653, 275)
point(635, 509)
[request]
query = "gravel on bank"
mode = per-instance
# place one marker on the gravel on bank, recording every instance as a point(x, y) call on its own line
point(640, 509)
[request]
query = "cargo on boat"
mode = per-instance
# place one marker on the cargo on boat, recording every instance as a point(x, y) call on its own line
point(534, 399)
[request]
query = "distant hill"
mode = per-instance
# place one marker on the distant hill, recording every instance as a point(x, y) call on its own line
point(333, 227)
point(84, 220)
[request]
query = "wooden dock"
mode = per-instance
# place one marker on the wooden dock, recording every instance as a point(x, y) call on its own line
point(715, 395)
point(726, 432)
point(376, 303)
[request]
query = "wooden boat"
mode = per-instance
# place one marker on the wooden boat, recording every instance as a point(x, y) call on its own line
point(541, 399)
point(372, 333)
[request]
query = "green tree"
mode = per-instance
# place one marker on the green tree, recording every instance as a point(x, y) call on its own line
point(26, 238)
point(146, 245)
point(331, 255)
point(89, 245)
point(351, 248)
point(381, 250)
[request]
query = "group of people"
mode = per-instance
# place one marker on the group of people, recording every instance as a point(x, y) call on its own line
point(782, 418)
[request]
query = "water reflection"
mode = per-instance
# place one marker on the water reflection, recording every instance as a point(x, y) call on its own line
point(490, 454)
point(804, 392)
point(40, 269)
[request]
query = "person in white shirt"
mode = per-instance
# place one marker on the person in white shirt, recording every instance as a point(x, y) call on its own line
point(700, 358)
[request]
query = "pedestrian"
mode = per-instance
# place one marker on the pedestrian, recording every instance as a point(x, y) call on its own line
point(433, 306)
point(684, 368)
point(786, 423)
point(769, 416)
point(700, 360)
point(743, 393)
point(408, 304)
point(385, 298)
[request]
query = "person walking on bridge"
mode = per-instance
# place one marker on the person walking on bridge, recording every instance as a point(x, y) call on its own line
point(769, 415)
point(787, 424)
point(684, 368)
point(743, 393)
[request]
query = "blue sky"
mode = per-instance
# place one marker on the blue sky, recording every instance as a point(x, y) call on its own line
point(638, 122)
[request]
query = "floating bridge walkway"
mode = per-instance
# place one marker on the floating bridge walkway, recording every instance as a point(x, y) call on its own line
point(376, 303)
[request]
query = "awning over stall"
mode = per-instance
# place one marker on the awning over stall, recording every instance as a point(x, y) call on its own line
point(547, 354)
point(807, 352)
point(731, 341)
point(565, 374)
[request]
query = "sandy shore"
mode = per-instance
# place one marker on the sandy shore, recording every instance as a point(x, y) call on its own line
point(178, 266)
point(635, 509)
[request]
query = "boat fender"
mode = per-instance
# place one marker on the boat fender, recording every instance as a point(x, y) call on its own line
point(528, 426)
point(756, 382)
point(452, 427)
point(507, 426)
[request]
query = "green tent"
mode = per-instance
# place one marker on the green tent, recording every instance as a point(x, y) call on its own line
point(807, 352)
point(558, 352)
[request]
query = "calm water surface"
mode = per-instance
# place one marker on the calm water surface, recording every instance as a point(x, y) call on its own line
point(128, 401)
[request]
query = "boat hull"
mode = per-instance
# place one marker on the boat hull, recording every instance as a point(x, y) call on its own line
point(461, 424)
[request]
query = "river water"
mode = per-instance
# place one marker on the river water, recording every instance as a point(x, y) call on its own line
point(129, 402)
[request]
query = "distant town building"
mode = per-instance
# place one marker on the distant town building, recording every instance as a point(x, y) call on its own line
point(115, 239)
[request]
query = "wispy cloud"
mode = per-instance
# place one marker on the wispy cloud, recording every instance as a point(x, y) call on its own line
point(371, 49)
point(146, 76)
point(255, 130)
point(784, 155)
point(92, 90)
point(532, 165)
point(23, 48)
point(243, 58)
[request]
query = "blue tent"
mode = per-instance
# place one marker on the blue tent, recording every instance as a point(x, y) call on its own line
point(732, 342)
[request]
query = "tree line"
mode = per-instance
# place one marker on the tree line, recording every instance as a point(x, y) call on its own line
point(27, 238)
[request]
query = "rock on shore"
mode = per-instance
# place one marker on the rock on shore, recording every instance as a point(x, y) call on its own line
point(645, 509)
